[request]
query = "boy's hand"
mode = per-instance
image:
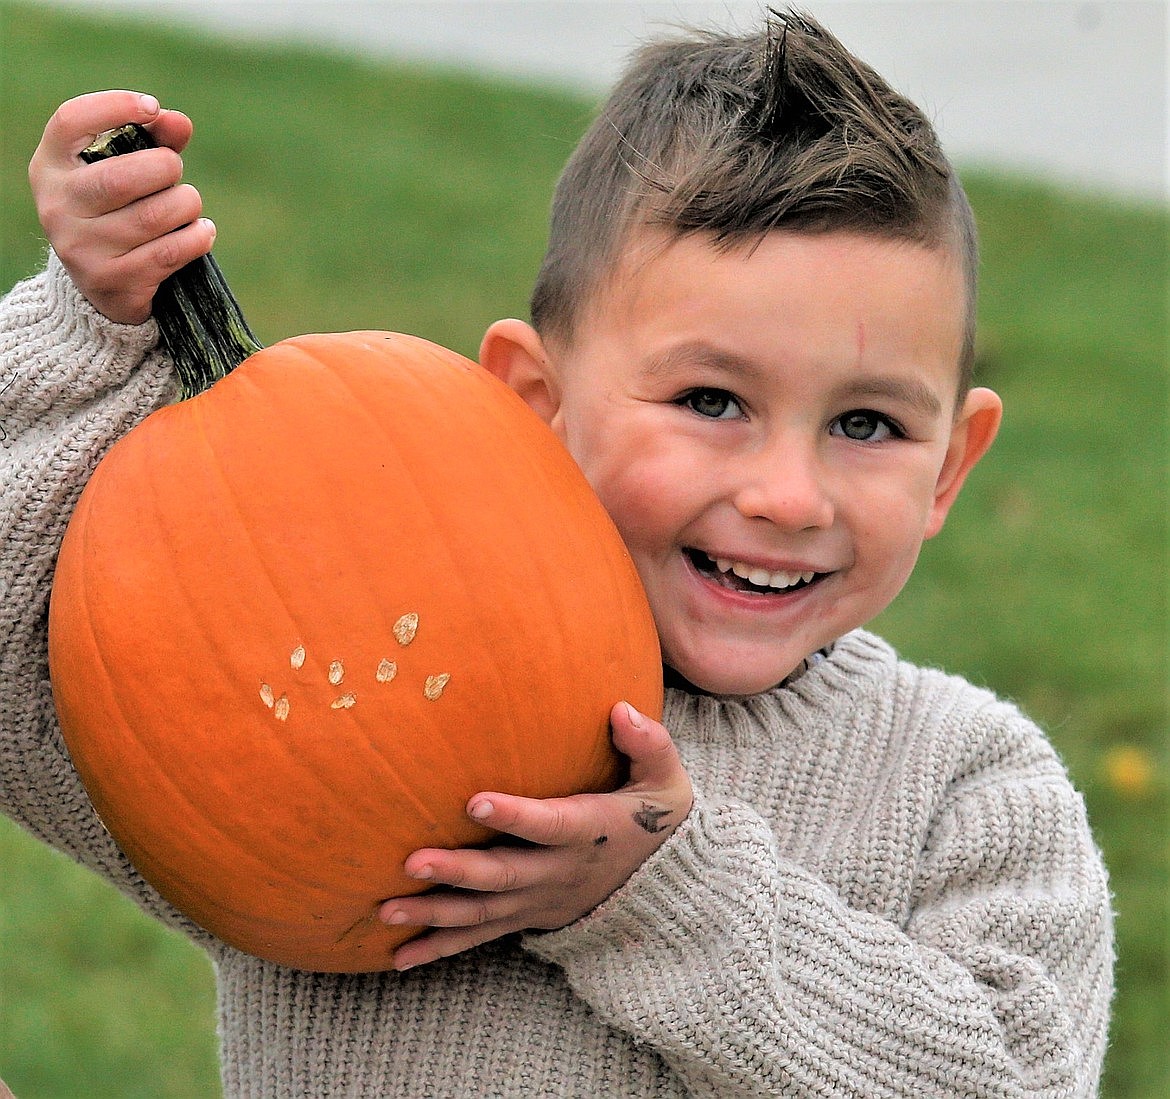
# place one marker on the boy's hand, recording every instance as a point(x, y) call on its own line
point(120, 226)
point(578, 851)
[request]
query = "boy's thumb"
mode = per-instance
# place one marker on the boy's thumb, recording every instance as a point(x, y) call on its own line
point(644, 741)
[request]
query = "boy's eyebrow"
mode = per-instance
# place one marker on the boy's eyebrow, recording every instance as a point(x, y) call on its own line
point(906, 391)
point(698, 353)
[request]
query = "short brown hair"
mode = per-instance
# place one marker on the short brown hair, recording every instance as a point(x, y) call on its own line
point(735, 136)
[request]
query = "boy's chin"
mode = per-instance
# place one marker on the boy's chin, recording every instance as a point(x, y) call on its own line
point(699, 679)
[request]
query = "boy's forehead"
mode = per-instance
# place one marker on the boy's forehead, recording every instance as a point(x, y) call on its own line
point(647, 256)
point(659, 276)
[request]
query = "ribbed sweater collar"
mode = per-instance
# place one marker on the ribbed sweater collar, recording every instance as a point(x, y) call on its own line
point(856, 664)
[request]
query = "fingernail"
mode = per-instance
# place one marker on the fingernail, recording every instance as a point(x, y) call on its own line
point(209, 225)
point(396, 917)
point(424, 872)
point(635, 717)
point(148, 104)
point(481, 810)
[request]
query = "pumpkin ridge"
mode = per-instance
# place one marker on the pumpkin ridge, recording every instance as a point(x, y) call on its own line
point(473, 597)
point(160, 774)
point(199, 418)
point(296, 759)
point(302, 356)
point(296, 627)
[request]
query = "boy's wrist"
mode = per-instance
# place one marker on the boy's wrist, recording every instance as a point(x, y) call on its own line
point(631, 910)
point(76, 305)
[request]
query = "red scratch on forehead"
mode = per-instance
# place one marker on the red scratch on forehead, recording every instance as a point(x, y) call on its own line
point(860, 338)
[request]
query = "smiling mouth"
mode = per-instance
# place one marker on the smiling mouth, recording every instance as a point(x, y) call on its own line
point(738, 576)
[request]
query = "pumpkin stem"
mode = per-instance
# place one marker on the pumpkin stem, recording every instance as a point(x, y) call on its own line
point(200, 322)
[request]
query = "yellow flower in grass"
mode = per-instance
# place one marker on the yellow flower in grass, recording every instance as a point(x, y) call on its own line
point(1130, 770)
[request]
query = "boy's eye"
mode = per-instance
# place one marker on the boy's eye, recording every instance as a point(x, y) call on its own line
point(863, 425)
point(715, 404)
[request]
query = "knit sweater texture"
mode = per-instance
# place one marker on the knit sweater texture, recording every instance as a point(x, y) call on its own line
point(886, 886)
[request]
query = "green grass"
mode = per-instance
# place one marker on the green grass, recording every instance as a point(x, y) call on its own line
point(98, 1001)
point(351, 194)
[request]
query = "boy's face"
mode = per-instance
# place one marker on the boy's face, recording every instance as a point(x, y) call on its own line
point(774, 432)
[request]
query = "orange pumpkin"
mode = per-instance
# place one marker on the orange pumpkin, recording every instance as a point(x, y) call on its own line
point(299, 619)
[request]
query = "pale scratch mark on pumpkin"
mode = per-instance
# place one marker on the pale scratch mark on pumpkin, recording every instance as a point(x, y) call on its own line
point(280, 708)
point(359, 922)
point(435, 685)
point(297, 660)
point(103, 824)
point(336, 672)
point(267, 696)
point(344, 702)
point(405, 629)
point(387, 670)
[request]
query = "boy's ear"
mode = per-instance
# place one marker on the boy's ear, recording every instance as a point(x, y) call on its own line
point(973, 433)
point(514, 352)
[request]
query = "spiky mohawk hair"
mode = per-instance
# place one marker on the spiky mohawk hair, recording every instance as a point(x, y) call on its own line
point(737, 136)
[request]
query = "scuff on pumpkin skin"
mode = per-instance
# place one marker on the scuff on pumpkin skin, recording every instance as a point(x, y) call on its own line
point(405, 629)
point(336, 672)
point(297, 659)
point(647, 818)
point(387, 670)
point(360, 923)
point(435, 685)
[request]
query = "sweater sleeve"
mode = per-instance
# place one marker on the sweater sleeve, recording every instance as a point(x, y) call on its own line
point(72, 383)
point(750, 974)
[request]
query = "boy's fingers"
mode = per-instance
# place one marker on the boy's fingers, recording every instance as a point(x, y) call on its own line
point(79, 120)
point(551, 822)
point(172, 129)
point(125, 288)
point(443, 909)
point(443, 944)
point(495, 870)
point(150, 218)
point(113, 184)
point(655, 772)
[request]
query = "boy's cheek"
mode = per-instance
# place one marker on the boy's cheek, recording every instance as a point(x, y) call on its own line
point(637, 508)
point(641, 483)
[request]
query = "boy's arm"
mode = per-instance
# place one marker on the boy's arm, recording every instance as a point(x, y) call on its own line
point(73, 382)
point(750, 975)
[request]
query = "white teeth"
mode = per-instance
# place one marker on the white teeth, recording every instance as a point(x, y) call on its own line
point(762, 578)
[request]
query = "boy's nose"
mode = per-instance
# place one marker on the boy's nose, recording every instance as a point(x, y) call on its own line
point(786, 488)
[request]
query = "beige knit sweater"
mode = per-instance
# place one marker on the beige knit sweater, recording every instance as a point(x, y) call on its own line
point(886, 887)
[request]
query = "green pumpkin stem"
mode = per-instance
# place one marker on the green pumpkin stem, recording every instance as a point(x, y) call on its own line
point(200, 322)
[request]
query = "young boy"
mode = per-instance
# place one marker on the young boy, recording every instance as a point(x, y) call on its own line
point(837, 874)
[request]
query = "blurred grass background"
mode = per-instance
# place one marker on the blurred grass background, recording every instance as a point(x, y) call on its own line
point(354, 194)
